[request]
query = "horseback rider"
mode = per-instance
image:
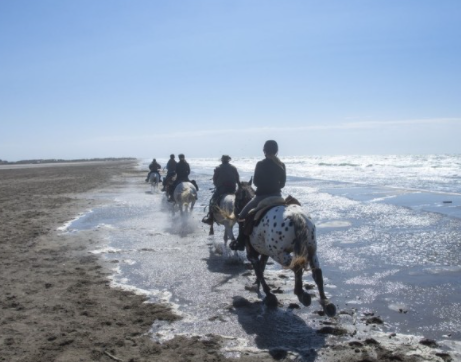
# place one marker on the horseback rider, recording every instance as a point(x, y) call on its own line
point(171, 171)
point(225, 179)
point(182, 174)
point(154, 167)
point(269, 179)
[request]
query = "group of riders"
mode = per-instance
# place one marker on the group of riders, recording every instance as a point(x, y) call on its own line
point(269, 178)
point(177, 172)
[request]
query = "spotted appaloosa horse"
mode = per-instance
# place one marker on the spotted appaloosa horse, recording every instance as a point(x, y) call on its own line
point(154, 179)
point(223, 214)
point(284, 230)
point(185, 195)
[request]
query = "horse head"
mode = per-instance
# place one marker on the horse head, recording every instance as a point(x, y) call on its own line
point(244, 194)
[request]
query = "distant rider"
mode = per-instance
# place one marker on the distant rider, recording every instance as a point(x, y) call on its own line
point(225, 178)
point(154, 167)
point(269, 178)
point(182, 175)
point(171, 171)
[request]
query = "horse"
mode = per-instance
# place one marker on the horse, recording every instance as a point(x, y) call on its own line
point(185, 195)
point(154, 179)
point(223, 214)
point(284, 230)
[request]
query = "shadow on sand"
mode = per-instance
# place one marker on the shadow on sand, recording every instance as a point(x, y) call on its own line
point(279, 331)
point(229, 267)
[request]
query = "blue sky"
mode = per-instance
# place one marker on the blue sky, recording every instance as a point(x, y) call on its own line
point(146, 78)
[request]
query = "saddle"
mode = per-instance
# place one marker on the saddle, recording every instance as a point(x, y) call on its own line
point(255, 215)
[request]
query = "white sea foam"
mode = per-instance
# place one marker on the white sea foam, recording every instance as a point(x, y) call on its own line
point(334, 224)
point(65, 227)
point(106, 250)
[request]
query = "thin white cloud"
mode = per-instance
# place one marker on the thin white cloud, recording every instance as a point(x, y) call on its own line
point(366, 125)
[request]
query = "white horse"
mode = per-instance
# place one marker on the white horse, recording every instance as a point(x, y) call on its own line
point(184, 195)
point(154, 179)
point(282, 231)
point(223, 214)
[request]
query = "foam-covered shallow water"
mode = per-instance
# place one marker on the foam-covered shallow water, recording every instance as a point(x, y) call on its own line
point(388, 249)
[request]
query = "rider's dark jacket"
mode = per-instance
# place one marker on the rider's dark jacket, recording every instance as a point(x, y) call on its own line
point(225, 178)
point(269, 178)
point(154, 167)
point(182, 171)
point(171, 166)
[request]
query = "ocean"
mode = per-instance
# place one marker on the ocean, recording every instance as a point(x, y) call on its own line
point(389, 239)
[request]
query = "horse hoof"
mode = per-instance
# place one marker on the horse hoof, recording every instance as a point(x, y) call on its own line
point(305, 299)
point(271, 301)
point(330, 309)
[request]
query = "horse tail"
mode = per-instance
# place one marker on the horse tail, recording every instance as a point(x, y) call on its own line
point(225, 214)
point(301, 243)
point(186, 196)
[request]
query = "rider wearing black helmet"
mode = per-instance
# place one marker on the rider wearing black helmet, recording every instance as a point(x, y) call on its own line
point(269, 179)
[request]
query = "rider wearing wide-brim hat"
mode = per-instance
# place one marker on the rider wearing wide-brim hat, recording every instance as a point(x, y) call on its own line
point(269, 179)
point(225, 179)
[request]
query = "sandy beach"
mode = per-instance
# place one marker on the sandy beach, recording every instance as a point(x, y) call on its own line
point(57, 303)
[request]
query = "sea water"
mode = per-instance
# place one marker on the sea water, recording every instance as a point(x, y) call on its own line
point(389, 239)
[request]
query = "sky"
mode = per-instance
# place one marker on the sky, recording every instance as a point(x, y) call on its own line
point(146, 78)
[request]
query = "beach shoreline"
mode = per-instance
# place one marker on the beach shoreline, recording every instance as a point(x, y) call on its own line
point(56, 300)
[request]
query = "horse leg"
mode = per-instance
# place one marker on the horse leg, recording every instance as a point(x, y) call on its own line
point(303, 296)
point(226, 236)
point(211, 230)
point(328, 308)
point(259, 265)
point(263, 260)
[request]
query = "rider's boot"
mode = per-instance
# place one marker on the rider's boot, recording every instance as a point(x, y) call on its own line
point(239, 244)
point(208, 219)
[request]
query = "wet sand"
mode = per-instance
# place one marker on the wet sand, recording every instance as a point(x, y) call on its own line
point(56, 300)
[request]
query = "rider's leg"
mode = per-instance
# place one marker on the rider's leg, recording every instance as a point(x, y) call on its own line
point(239, 244)
point(148, 175)
point(194, 183)
point(166, 179)
point(209, 218)
point(171, 190)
